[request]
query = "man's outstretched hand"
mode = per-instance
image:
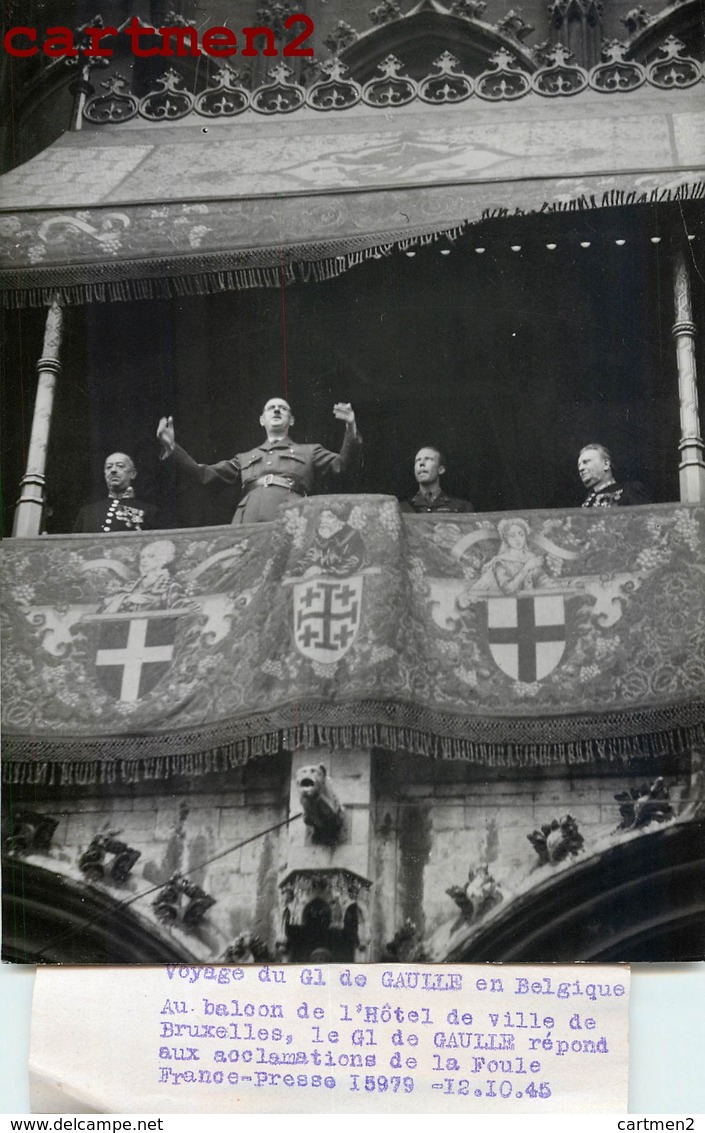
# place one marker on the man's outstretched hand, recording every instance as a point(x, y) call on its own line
point(344, 411)
point(166, 434)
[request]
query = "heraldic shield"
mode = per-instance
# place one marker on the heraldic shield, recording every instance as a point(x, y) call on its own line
point(133, 652)
point(527, 634)
point(327, 617)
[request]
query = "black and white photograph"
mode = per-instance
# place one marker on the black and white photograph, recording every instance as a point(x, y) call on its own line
point(353, 482)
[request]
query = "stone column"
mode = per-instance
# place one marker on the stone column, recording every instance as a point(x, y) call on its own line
point(336, 872)
point(30, 506)
point(692, 464)
point(80, 88)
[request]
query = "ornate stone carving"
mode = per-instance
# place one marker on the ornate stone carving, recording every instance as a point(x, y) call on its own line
point(513, 25)
point(540, 51)
point(320, 805)
point(577, 24)
point(118, 105)
point(617, 73)
point(170, 102)
point(560, 76)
point(181, 902)
point(325, 909)
point(468, 9)
point(560, 9)
point(393, 89)
point(385, 12)
point(557, 840)
point(93, 864)
point(506, 81)
point(479, 894)
point(674, 69)
point(328, 86)
point(83, 42)
point(449, 85)
point(30, 833)
point(341, 37)
point(274, 16)
point(336, 91)
point(173, 19)
point(643, 806)
point(636, 20)
point(226, 96)
point(247, 948)
point(280, 96)
point(406, 945)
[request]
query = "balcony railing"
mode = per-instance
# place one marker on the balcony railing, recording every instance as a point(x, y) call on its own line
point(542, 638)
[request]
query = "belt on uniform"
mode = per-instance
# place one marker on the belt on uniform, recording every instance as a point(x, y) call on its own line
point(271, 480)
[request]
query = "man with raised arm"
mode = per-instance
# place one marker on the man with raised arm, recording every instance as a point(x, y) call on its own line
point(596, 472)
point(278, 470)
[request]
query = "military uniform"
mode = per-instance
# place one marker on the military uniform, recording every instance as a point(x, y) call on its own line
point(273, 474)
point(618, 495)
point(125, 513)
point(441, 502)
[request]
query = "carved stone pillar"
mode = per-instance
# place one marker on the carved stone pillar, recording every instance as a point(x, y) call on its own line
point(692, 464)
point(325, 911)
point(697, 781)
point(577, 24)
point(273, 14)
point(324, 902)
point(30, 506)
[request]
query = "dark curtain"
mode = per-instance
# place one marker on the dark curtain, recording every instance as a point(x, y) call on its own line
point(509, 361)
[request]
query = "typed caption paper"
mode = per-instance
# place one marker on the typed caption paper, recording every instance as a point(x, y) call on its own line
point(369, 1039)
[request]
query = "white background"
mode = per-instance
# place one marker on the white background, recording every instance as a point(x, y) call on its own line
point(666, 1054)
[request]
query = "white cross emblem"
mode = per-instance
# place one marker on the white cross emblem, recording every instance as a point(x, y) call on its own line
point(133, 657)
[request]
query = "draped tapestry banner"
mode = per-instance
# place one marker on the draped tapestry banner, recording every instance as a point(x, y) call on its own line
point(514, 640)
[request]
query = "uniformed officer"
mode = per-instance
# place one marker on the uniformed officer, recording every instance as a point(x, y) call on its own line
point(429, 466)
point(275, 472)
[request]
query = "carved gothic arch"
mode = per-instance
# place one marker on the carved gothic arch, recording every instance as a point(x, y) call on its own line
point(641, 900)
point(421, 36)
point(684, 21)
point(42, 910)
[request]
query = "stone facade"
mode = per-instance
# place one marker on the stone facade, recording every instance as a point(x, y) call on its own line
point(413, 829)
point(433, 833)
point(44, 91)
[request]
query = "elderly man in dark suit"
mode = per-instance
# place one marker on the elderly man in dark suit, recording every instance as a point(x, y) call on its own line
point(122, 511)
point(596, 472)
point(277, 471)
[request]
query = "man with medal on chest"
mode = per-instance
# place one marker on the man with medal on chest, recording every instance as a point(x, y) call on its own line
point(122, 511)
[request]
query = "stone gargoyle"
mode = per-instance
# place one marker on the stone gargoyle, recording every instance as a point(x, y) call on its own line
point(320, 805)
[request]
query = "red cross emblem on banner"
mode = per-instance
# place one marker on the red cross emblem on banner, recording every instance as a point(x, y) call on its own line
point(133, 652)
point(526, 635)
point(327, 617)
